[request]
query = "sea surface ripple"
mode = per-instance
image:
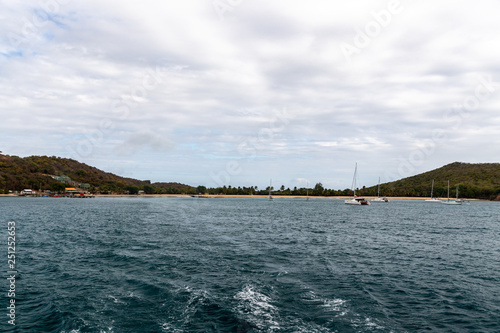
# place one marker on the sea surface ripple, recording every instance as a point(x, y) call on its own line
point(252, 265)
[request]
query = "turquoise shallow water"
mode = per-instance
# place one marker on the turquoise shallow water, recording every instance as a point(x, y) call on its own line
point(251, 265)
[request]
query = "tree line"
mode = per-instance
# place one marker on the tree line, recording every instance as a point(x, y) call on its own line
point(480, 181)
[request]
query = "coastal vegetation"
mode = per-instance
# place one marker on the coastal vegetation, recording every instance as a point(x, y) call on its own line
point(480, 181)
point(55, 173)
point(475, 180)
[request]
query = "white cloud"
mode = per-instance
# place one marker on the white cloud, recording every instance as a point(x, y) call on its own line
point(64, 68)
point(144, 140)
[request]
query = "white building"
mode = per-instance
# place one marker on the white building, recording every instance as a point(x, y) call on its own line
point(28, 192)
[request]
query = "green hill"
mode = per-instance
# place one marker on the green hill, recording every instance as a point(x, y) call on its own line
point(481, 181)
point(44, 172)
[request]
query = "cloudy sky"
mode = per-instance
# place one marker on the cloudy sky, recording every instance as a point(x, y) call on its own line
point(236, 92)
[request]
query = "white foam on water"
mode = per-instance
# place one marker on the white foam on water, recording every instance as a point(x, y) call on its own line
point(341, 309)
point(197, 297)
point(166, 327)
point(370, 324)
point(299, 326)
point(116, 300)
point(367, 323)
point(336, 305)
point(256, 308)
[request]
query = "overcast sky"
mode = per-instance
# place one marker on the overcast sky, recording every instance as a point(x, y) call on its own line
point(235, 92)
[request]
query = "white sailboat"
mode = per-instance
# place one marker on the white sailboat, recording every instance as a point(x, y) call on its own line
point(270, 188)
point(460, 200)
point(356, 200)
point(307, 198)
point(432, 199)
point(379, 198)
point(451, 202)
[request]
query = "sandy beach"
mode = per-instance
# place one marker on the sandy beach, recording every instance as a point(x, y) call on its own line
point(243, 196)
point(261, 196)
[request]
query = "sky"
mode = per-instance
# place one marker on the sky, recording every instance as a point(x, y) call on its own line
point(238, 92)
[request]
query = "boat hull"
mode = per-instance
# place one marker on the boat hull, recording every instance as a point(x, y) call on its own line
point(451, 202)
point(380, 200)
point(357, 202)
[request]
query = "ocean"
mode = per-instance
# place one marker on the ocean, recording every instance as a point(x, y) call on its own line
point(251, 265)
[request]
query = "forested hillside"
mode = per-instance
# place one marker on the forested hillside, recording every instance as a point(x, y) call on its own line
point(36, 172)
point(480, 181)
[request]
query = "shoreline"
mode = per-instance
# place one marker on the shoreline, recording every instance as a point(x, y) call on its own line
point(258, 196)
point(247, 196)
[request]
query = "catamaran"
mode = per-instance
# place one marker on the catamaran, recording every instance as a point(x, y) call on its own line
point(451, 202)
point(379, 198)
point(356, 200)
point(432, 199)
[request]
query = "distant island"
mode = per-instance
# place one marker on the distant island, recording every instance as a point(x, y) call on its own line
point(55, 174)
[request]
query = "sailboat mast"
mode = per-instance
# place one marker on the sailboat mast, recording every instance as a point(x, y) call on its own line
point(448, 190)
point(378, 191)
point(432, 188)
point(354, 179)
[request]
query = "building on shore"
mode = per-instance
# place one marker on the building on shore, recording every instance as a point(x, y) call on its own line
point(27, 192)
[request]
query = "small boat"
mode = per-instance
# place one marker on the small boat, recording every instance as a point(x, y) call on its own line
point(379, 198)
point(432, 199)
point(451, 202)
point(307, 198)
point(356, 200)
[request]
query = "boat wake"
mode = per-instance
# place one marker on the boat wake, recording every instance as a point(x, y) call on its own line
point(256, 308)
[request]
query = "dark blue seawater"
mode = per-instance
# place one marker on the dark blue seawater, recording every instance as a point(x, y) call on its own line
point(252, 265)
